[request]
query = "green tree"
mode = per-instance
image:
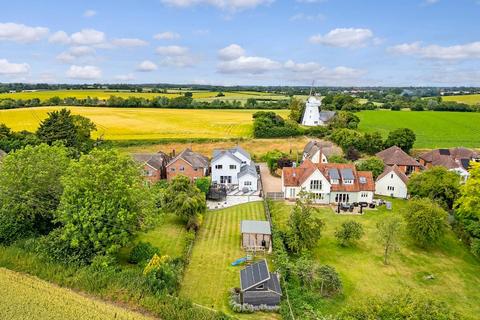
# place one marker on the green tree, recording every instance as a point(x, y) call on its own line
point(388, 231)
point(468, 208)
point(329, 281)
point(104, 203)
point(425, 221)
point(403, 138)
point(436, 183)
point(203, 184)
point(349, 232)
point(345, 119)
point(30, 190)
point(296, 107)
point(372, 142)
point(304, 229)
point(184, 199)
point(373, 164)
point(347, 138)
point(73, 130)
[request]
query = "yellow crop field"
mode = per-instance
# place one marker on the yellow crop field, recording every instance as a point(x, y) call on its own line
point(468, 98)
point(26, 297)
point(143, 123)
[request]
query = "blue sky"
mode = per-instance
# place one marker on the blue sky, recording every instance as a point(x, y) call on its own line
point(230, 42)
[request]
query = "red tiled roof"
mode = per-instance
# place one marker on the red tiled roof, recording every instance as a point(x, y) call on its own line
point(395, 155)
point(294, 177)
point(448, 158)
point(395, 169)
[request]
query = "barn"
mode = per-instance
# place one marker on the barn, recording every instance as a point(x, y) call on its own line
point(256, 235)
point(259, 286)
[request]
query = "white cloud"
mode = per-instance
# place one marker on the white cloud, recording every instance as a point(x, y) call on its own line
point(307, 17)
point(88, 37)
point(248, 65)
point(147, 66)
point(167, 35)
point(129, 42)
point(344, 38)
point(60, 37)
point(84, 72)
point(314, 71)
point(89, 13)
point(176, 56)
point(125, 77)
point(232, 5)
point(74, 53)
point(455, 52)
point(7, 68)
point(231, 52)
point(21, 33)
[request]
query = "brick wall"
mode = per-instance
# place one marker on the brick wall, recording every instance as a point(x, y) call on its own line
point(175, 168)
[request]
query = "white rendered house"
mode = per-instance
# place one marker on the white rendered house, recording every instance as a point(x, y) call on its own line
point(234, 167)
point(328, 183)
point(392, 183)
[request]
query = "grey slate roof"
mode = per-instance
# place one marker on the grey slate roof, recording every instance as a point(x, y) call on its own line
point(248, 169)
point(325, 116)
point(313, 146)
point(155, 160)
point(241, 151)
point(255, 226)
point(273, 283)
point(217, 154)
point(254, 275)
point(196, 160)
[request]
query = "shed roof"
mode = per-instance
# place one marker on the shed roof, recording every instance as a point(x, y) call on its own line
point(254, 274)
point(256, 226)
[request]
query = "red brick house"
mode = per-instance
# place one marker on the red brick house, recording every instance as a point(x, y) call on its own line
point(188, 163)
point(394, 156)
point(153, 165)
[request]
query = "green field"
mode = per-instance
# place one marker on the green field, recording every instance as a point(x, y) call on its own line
point(138, 123)
point(363, 273)
point(209, 275)
point(105, 94)
point(468, 98)
point(433, 129)
point(27, 297)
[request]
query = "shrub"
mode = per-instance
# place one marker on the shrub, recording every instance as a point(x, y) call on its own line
point(425, 221)
point(349, 232)
point(329, 281)
point(142, 252)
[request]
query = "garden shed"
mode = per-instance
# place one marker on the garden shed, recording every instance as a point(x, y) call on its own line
point(256, 235)
point(259, 286)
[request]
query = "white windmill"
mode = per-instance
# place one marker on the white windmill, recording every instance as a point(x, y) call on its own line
point(311, 115)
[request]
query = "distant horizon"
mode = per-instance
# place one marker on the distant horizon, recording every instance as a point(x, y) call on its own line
point(337, 43)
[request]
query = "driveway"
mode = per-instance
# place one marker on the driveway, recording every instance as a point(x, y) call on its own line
point(270, 183)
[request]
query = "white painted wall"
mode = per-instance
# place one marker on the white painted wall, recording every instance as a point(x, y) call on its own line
point(225, 161)
point(391, 180)
point(248, 178)
point(311, 115)
point(244, 159)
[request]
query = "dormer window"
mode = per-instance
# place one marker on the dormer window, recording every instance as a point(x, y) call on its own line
point(334, 181)
point(347, 181)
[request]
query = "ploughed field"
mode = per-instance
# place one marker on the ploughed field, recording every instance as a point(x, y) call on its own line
point(27, 297)
point(146, 123)
point(433, 129)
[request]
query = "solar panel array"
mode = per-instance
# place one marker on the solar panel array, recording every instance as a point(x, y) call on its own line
point(333, 174)
point(254, 274)
point(347, 174)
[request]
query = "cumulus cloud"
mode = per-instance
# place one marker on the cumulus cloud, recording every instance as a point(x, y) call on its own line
point(8, 68)
point(344, 38)
point(176, 56)
point(84, 72)
point(147, 66)
point(74, 53)
point(232, 5)
point(167, 35)
point(314, 71)
point(88, 37)
point(21, 33)
point(60, 37)
point(89, 13)
point(231, 52)
point(129, 42)
point(455, 52)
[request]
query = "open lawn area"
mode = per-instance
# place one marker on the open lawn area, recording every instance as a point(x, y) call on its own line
point(467, 98)
point(455, 270)
point(433, 129)
point(209, 276)
point(142, 124)
point(27, 297)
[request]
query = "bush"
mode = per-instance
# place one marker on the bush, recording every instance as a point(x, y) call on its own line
point(142, 252)
point(329, 281)
point(425, 221)
point(349, 233)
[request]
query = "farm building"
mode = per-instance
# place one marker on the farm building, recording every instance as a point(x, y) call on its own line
point(187, 163)
point(259, 286)
point(256, 235)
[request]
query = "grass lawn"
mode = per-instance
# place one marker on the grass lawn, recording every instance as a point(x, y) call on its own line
point(27, 297)
point(168, 236)
point(433, 129)
point(138, 123)
point(467, 98)
point(456, 271)
point(209, 276)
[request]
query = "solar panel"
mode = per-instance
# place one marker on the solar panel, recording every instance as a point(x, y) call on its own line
point(254, 274)
point(444, 152)
point(333, 173)
point(347, 174)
